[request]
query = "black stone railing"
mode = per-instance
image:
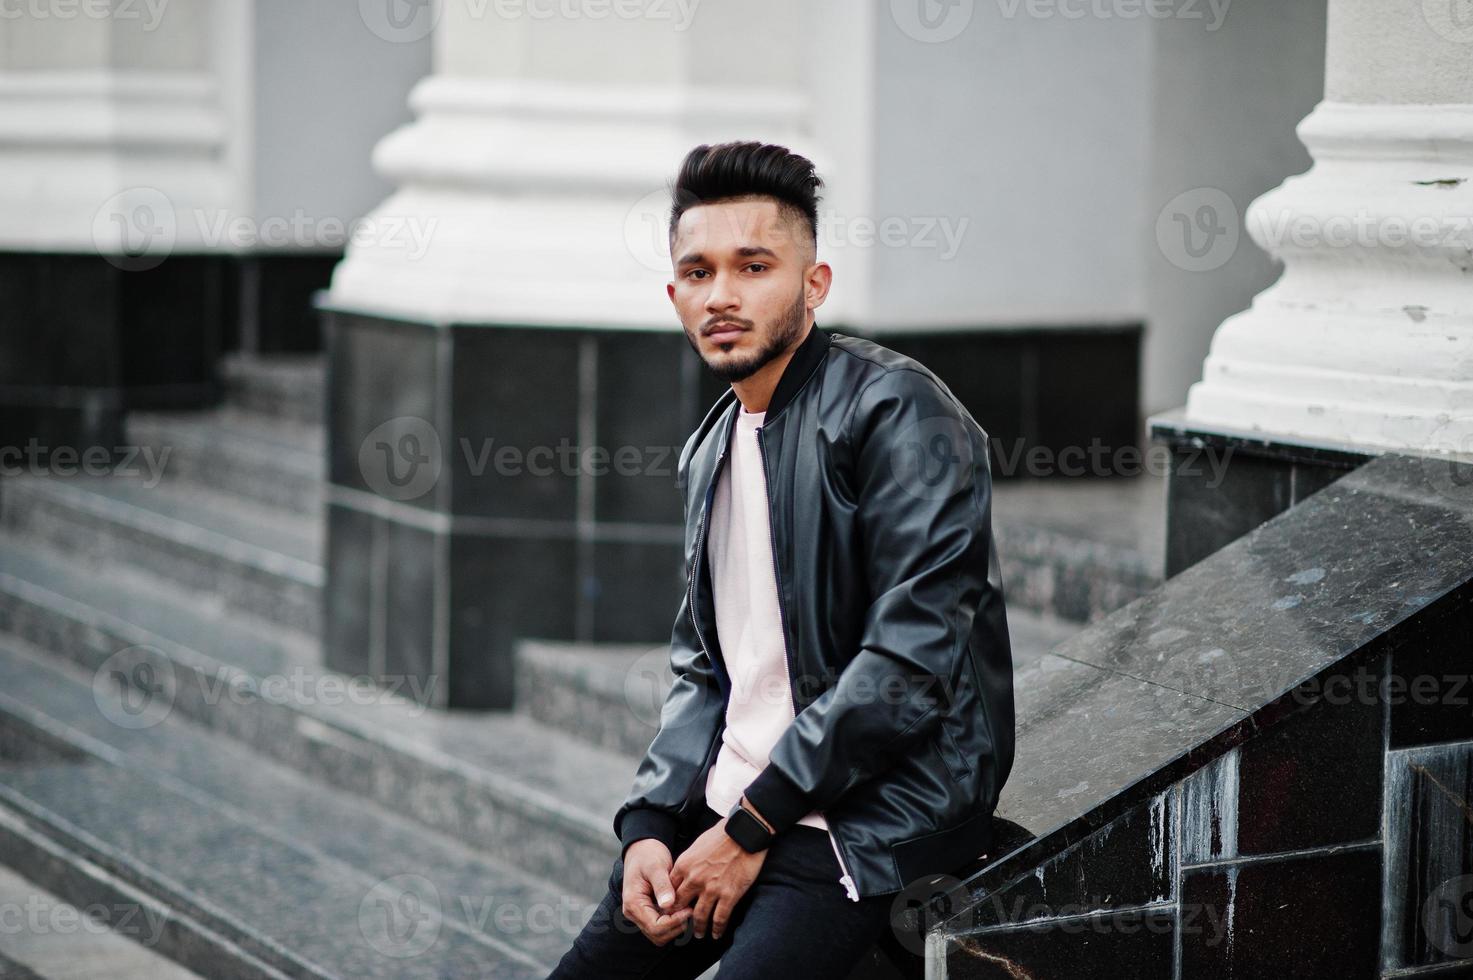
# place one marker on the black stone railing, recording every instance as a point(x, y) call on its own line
point(1265, 761)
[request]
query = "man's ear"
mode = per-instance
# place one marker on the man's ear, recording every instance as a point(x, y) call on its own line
point(816, 285)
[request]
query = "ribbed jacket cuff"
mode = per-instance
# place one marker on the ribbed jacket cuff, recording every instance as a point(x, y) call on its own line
point(646, 822)
point(777, 798)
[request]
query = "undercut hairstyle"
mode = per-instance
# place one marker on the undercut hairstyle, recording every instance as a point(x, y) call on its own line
point(728, 171)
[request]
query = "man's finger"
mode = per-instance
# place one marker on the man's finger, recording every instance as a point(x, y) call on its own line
point(702, 914)
point(668, 927)
point(720, 915)
point(639, 906)
point(664, 891)
point(687, 892)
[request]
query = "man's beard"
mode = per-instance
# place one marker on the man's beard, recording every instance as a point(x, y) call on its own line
point(785, 331)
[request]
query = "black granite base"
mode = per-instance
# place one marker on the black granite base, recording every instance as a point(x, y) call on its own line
point(460, 518)
point(489, 484)
point(270, 297)
point(1056, 402)
point(1223, 483)
point(84, 338)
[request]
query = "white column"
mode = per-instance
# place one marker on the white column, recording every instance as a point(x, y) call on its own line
point(532, 185)
point(1367, 337)
point(112, 124)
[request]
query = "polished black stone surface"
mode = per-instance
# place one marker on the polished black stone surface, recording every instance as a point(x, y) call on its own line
point(548, 461)
point(379, 370)
point(1133, 943)
point(1429, 856)
point(1224, 483)
point(1329, 749)
point(1046, 389)
point(82, 339)
point(1217, 656)
point(572, 437)
point(1304, 916)
point(270, 301)
point(1430, 688)
point(627, 588)
point(1085, 734)
point(1293, 598)
point(513, 405)
point(1128, 863)
point(645, 395)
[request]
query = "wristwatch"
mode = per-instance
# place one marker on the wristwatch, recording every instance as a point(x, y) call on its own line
point(747, 830)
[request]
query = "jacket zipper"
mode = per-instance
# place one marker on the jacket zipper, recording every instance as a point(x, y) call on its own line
point(844, 877)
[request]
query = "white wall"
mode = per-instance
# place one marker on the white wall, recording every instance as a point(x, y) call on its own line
point(327, 88)
point(1033, 130)
point(1224, 107)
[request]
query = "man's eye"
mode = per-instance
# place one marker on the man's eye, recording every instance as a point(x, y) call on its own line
point(756, 265)
point(695, 272)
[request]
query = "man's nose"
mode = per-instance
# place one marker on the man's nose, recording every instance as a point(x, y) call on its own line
point(723, 295)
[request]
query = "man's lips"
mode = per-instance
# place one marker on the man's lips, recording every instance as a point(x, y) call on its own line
point(724, 332)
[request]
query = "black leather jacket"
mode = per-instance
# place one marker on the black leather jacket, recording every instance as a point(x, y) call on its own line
point(898, 658)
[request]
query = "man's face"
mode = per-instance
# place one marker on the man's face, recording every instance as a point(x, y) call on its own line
point(741, 284)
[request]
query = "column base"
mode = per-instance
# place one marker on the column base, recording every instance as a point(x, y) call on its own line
point(1042, 393)
point(84, 338)
point(460, 519)
point(1224, 482)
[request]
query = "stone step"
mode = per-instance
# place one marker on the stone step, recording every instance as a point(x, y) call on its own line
point(45, 938)
point(610, 694)
point(538, 797)
point(286, 386)
point(234, 452)
point(287, 870)
point(1078, 549)
point(255, 559)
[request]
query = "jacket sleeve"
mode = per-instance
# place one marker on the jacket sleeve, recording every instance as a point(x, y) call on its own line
point(689, 721)
point(922, 490)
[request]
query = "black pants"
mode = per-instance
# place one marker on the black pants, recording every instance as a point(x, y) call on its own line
point(795, 920)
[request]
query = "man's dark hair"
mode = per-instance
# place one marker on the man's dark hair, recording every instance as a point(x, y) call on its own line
point(731, 170)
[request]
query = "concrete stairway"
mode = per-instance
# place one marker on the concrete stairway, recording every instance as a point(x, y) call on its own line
point(170, 744)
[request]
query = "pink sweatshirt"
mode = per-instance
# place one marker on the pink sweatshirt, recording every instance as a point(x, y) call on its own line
point(749, 627)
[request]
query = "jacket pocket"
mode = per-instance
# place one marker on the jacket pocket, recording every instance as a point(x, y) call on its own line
point(951, 754)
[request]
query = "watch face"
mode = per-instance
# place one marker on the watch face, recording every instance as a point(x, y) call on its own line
point(747, 831)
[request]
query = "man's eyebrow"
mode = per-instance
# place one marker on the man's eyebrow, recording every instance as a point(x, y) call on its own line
point(745, 252)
